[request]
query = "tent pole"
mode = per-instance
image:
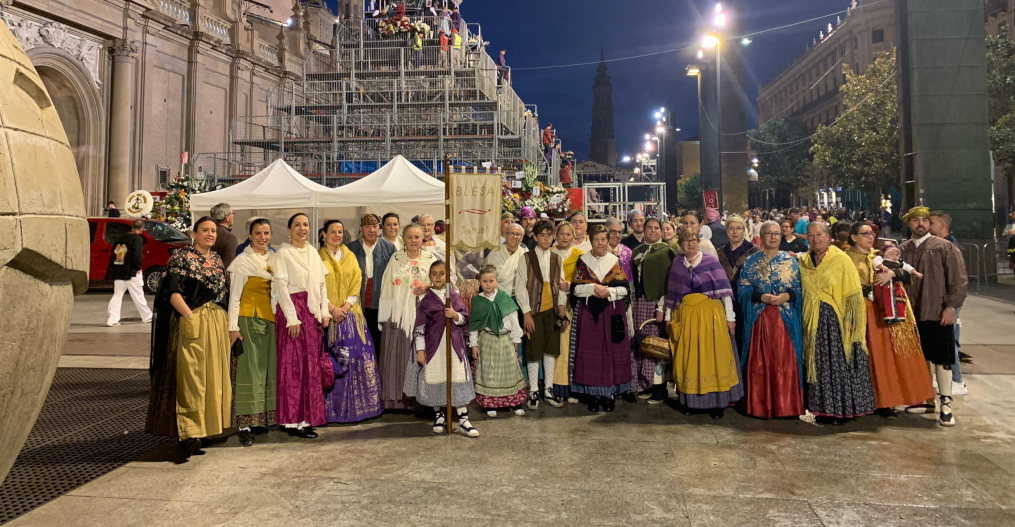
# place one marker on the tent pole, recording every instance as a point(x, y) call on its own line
point(447, 274)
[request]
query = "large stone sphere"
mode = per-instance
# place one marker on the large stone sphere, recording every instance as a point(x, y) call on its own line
point(43, 244)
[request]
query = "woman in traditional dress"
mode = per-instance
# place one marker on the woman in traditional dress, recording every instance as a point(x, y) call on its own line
point(191, 396)
point(699, 296)
point(494, 336)
point(252, 322)
point(771, 359)
point(301, 292)
point(732, 257)
point(405, 279)
point(834, 332)
point(601, 357)
point(569, 255)
point(898, 369)
point(650, 266)
point(357, 392)
point(581, 225)
point(615, 232)
point(692, 220)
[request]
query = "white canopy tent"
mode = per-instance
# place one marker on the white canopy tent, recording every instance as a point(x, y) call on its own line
point(276, 193)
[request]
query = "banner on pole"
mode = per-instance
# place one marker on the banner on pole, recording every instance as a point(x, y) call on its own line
point(711, 199)
point(475, 210)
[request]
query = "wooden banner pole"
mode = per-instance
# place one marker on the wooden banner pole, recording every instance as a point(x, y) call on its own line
point(448, 274)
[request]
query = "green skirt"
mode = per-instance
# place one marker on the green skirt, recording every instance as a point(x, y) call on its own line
point(255, 373)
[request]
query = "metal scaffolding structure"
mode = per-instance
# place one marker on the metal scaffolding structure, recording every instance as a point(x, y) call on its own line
point(365, 97)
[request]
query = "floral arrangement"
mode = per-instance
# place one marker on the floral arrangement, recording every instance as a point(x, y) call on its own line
point(553, 201)
point(400, 23)
point(176, 205)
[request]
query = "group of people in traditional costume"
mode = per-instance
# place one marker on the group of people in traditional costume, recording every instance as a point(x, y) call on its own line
point(301, 336)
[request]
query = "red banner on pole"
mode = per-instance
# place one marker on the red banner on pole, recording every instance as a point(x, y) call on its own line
point(711, 199)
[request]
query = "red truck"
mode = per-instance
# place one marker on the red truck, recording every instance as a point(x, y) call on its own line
point(161, 239)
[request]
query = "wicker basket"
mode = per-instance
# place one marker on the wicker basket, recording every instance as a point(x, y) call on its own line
point(656, 347)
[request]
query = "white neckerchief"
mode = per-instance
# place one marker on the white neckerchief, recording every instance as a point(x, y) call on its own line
point(919, 241)
point(250, 263)
point(697, 260)
point(600, 266)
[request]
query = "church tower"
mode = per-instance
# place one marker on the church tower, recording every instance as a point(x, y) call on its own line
point(602, 144)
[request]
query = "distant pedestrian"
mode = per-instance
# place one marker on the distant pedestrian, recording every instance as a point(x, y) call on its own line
point(125, 271)
point(111, 210)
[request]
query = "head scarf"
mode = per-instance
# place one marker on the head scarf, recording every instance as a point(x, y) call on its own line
point(369, 220)
point(711, 215)
point(917, 212)
point(527, 212)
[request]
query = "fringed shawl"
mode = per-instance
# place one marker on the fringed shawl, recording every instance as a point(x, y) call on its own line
point(707, 278)
point(905, 339)
point(568, 257)
point(834, 282)
point(343, 280)
point(583, 274)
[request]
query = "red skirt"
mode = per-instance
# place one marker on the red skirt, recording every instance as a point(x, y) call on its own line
point(773, 375)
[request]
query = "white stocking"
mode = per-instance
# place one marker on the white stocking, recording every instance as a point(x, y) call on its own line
point(533, 368)
point(944, 380)
point(549, 363)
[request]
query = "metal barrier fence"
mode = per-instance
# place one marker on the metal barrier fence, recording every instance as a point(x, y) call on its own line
point(982, 264)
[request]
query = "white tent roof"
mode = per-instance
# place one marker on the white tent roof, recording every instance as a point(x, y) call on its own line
point(398, 181)
point(278, 186)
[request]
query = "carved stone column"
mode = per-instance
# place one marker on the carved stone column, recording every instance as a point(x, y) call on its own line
point(120, 114)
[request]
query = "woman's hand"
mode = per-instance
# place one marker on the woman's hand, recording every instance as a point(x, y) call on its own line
point(233, 337)
point(883, 278)
point(768, 298)
point(475, 353)
point(732, 326)
point(601, 291)
point(660, 316)
point(421, 357)
point(420, 290)
point(294, 331)
point(325, 322)
point(450, 313)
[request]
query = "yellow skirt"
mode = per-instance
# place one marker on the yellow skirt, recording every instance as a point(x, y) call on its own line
point(204, 395)
point(703, 359)
point(560, 369)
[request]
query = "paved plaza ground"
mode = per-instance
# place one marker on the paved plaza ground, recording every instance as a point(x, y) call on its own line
point(641, 465)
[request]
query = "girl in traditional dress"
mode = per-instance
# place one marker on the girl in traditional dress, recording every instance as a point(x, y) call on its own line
point(770, 297)
point(191, 396)
point(615, 232)
point(494, 336)
point(705, 366)
point(601, 357)
point(252, 321)
point(569, 255)
point(650, 266)
point(405, 279)
point(426, 371)
point(834, 332)
point(357, 392)
point(301, 292)
point(898, 369)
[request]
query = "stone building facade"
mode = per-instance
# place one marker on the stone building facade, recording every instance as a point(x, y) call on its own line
point(138, 82)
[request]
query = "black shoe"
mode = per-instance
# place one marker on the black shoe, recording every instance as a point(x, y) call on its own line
point(717, 413)
point(593, 404)
point(658, 394)
point(307, 432)
point(828, 420)
point(887, 413)
point(609, 404)
point(630, 397)
point(259, 430)
point(965, 357)
point(246, 437)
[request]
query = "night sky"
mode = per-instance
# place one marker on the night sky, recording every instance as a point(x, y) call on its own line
point(545, 35)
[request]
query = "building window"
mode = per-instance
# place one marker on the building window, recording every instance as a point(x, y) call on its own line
point(878, 36)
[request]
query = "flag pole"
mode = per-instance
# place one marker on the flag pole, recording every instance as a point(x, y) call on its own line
point(448, 275)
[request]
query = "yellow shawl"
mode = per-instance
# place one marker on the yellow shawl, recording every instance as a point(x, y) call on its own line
point(343, 280)
point(569, 261)
point(836, 283)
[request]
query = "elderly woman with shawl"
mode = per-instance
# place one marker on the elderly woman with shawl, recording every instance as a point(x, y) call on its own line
point(834, 331)
point(357, 392)
point(601, 358)
point(705, 366)
point(615, 230)
point(650, 265)
point(770, 298)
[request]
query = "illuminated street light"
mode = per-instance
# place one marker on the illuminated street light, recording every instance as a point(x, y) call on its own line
point(701, 54)
point(693, 71)
point(660, 130)
point(625, 159)
point(745, 41)
point(710, 41)
point(720, 20)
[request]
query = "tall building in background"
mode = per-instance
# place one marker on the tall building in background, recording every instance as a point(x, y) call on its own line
point(602, 144)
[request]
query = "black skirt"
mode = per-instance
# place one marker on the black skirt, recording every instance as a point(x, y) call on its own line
point(937, 341)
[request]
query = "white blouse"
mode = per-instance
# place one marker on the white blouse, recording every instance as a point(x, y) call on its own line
point(600, 267)
point(297, 270)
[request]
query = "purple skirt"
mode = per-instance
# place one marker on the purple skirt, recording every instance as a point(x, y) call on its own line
point(600, 367)
point(299, 397)
point(357, 392)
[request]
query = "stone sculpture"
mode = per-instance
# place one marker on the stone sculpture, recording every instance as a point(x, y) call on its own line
point(43, 244)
